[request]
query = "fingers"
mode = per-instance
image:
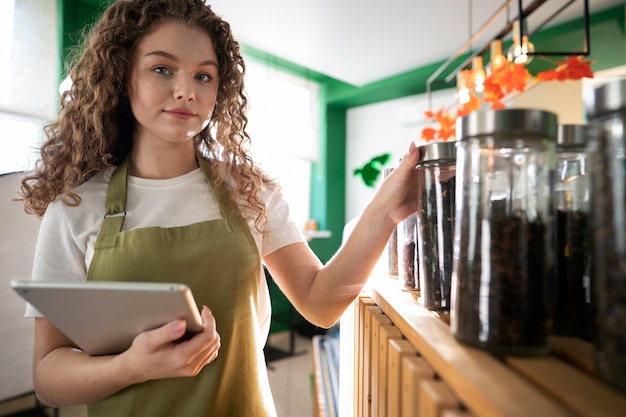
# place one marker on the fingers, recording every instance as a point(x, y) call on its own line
point(208, 321)
point(214, 343)
point(407, 164)
point(172, 332)
point(411, 158)
point(202, 349)
point(213, 354)
point(398, 195)
point(161, 353)
point(412, 148)
point(156, 339)
point(177, 329)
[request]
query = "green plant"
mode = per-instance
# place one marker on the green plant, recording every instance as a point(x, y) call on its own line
point(371, 170)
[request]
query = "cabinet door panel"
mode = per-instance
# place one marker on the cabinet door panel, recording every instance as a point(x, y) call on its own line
point(378, 320)
point(434, 398)
point(398, 348)
point(414, 370)
point(386, 333)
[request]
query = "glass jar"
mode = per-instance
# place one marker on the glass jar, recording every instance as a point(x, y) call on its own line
point(407, 255)
point(502, 242)
point(606, 112)
point(572, 292)
point(436, 186)
point(392, 243)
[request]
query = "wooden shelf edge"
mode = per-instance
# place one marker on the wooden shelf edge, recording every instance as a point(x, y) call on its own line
point(581, 391)
point(485, 385)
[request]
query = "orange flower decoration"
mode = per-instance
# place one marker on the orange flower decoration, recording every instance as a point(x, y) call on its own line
point(493, 93)
point(467, 108)
point(447, 124)
point(574, 68)
point(504, 81)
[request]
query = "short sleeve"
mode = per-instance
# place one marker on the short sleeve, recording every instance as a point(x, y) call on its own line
point(57, 255)
point(282, 229)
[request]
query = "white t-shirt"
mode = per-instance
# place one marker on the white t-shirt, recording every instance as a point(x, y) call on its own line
point(67, 235)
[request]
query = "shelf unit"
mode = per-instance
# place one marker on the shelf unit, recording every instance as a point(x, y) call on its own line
point(408, 363)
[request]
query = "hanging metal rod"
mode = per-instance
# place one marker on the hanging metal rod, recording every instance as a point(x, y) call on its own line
point(507, 29)
point(462, 49)
point(586, 43)
point(522, 14)
point(549, 19)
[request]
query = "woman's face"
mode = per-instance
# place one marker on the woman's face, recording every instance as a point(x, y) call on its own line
point(173, 84)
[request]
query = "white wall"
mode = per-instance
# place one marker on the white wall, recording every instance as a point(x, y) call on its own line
point(19, 233)
point(564, 98)
point(386, 127)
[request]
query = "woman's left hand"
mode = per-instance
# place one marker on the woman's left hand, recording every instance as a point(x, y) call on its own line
point(396, 198)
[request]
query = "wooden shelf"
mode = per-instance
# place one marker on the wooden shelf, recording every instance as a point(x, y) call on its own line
point(560, 384)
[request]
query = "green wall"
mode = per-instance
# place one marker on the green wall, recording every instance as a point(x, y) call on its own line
point(74, 15)
point(328, 176)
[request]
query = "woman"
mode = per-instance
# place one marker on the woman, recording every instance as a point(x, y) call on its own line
point(146, 176)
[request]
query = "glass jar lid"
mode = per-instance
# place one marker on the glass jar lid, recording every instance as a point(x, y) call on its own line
point(434, 151)
point(571, 135)
point(606, 98)
point(514, 122)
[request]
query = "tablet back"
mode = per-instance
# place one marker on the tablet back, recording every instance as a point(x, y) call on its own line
point(104, 317)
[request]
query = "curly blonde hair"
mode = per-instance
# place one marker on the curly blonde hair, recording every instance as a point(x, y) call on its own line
point(94, 128)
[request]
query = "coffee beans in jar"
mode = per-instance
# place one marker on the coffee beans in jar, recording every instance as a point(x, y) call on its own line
point(502, 257)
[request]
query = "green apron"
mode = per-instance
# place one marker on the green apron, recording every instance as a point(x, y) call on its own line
point(219, 261)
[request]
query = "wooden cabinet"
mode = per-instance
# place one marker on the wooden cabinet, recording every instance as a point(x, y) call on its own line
point(407, 363)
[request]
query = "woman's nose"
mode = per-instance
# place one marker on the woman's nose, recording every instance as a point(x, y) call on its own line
point(184, 90)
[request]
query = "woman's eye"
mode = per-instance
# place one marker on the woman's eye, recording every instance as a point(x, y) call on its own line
point(204, 77)
point(162, 70)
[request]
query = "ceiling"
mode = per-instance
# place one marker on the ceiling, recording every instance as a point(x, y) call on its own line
point(362, 41)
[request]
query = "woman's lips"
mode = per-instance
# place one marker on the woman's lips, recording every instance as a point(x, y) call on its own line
point(180, 114)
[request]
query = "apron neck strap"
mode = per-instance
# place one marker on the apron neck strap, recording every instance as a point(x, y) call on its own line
point(117, 190)
point(116, 199)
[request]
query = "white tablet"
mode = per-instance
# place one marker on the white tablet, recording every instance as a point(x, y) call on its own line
point(103, 317)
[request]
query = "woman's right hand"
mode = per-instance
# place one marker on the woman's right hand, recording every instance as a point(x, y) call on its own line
point(65, 376)
point(159, 353)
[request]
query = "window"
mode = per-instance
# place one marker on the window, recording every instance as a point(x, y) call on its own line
point(283, 126)
point(283, 113)
point(28, 78)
